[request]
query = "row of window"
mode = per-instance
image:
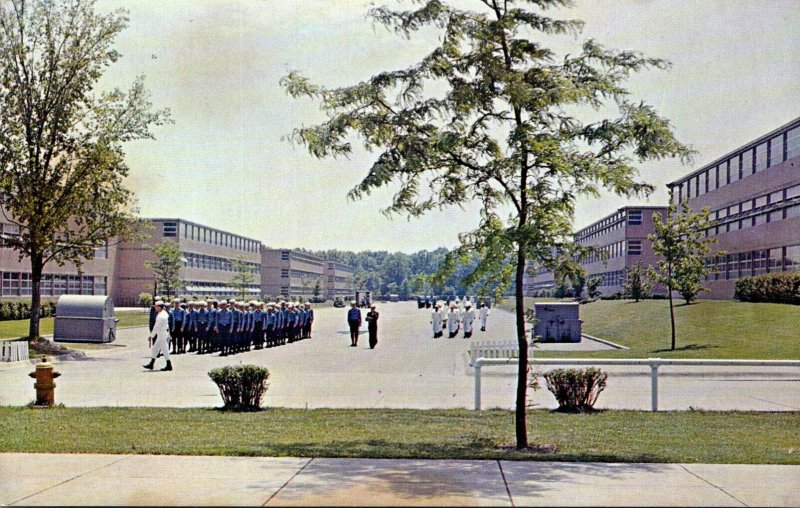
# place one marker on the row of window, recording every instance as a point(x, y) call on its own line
point(757, 262)
point(752, 220)
point(611, 251)
point(779, 148)
point(294, 273)
point(175, 229)
point(615, 278)
point(20, 284)
point(7, 230)
point(611, 223)
point(286, 255)
point(218, 289)
point(207, 262)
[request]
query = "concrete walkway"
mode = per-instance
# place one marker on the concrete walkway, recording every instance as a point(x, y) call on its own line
point(52, 479)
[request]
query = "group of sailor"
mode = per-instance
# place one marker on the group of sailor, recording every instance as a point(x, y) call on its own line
point(231, 326)
point(457, 316)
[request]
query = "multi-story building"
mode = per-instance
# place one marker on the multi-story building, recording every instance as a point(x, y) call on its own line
point(753, 194)
point(620, 241)
point(340, 280)
point(209, 259)
point(291, 273)
point(95, 277)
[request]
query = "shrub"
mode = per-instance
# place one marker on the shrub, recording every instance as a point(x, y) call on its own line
point(783, 287)
point(145, 299)
point(576, 390)
point(242, 386)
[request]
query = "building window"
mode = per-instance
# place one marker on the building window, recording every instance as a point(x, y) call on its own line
point(59, 285)
point(634, 217)
point(761, 158)
point(759, 262)
point(748, 163)
point(87, 285)
point(776, 150)
point(775, 258)
point(170, 229)
point(47, 285)
point(745, 264)
point(634, 247)
point(101, 252)
point(791, 260)
point(73, 285)
point(792, 148)
point(8, 230)
point(10, 284)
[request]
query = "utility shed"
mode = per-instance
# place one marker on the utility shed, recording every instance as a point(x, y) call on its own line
point(557, 322)
point(83, 318)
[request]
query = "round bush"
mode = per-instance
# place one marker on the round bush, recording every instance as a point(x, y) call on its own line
point(242, 387)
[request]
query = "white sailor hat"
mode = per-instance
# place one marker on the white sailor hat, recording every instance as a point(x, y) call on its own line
point(159, 303)
point(271, 304)
point(176, 300)
point(352, 302)
point(202, 302)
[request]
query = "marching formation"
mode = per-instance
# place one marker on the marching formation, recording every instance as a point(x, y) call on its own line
point(225, 326)
point(452, 316)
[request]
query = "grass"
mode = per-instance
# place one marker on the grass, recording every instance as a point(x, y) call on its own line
point(608, 436)
point(19, 328)
point(706, 329)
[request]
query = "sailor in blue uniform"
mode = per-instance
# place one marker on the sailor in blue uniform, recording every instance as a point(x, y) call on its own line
point(223, 326)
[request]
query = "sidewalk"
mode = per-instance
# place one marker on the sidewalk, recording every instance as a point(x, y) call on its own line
point(56, 479)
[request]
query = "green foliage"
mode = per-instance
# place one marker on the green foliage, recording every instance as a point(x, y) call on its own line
point(680, 240)
point(11, 310)
point(167, 267)
point(62, 166)
point(243, 277)
point(500, 125)
point(638, 282)
point(783, 287)
point(145, 299)
point(242, 386)
point(593, 287)
point(576, 390)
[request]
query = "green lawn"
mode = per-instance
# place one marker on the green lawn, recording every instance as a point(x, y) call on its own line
point(705, 329)
point(15, 329)
point(614, 436)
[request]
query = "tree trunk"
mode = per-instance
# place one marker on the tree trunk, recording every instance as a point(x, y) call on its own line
point(671, 309)
point(522, 367)
point(37, 266)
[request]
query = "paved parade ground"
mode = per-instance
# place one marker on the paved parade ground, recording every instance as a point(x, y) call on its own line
point(408, 369)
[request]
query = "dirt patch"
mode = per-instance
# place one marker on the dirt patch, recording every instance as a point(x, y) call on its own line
point(43, 347)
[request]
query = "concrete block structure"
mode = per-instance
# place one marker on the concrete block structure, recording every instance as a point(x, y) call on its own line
point(620, 240)
point(291, 273)
point(96, 276)
point(208, 261)
point(753, 193)
point(340, 280)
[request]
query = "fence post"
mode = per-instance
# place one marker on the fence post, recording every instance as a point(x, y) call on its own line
point(654, 384)
point(477, 385)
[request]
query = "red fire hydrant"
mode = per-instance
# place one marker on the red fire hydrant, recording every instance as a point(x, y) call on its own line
point(45, 386)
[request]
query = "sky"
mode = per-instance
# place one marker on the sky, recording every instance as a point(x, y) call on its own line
point(225, 162)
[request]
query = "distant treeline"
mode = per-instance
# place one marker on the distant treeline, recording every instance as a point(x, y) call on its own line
point(384, 272)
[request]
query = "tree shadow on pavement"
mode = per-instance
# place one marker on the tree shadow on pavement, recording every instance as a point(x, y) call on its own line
point(688, 347)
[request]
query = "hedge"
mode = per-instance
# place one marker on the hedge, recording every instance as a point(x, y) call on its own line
point(783, 287)
point(11, 310)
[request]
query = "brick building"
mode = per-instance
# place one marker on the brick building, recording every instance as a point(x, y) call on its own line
point(291, 273)
point(208, 261)
point(753, 193)
point(620, 240)
point(340, 280)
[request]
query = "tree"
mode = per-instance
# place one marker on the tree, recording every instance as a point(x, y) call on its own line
point(680, 240)
point(61, 161)
point(167, 268)
point(317, 289)
point(593, 287)
point(638, 282)
point(491, 116)
point(243, 276)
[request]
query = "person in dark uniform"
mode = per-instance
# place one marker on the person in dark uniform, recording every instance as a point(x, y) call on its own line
point(223, 327)
point(354, 322)
point(201, 322)
point(152, 321)
point(309, 320)
point(372, 326)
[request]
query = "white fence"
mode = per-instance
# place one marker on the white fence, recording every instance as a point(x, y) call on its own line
point(13, 351)
point(653, 363)
point(493, 349)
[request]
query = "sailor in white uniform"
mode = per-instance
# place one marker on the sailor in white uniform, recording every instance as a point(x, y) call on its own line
point(453, 321)
point(467, 317)
point(161, 334)
point(436, 321)
point(483, 313)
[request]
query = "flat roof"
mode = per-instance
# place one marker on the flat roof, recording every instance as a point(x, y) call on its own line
point(758, 140)
point(618, 210)
point(162, 219)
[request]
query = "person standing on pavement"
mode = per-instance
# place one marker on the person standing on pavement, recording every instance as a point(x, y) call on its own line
point(161, 337)
point(372, 326)
point(436, 321)
point(467, 317)
point(354, 322)
point(483, 314)
point(152, 321)
point(453, 321)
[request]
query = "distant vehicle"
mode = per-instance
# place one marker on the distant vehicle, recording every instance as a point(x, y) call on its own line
point(338, 302)
point(394, 297)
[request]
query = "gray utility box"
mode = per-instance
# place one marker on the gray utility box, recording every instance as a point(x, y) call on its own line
point(82, 318)
point(557, 322)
